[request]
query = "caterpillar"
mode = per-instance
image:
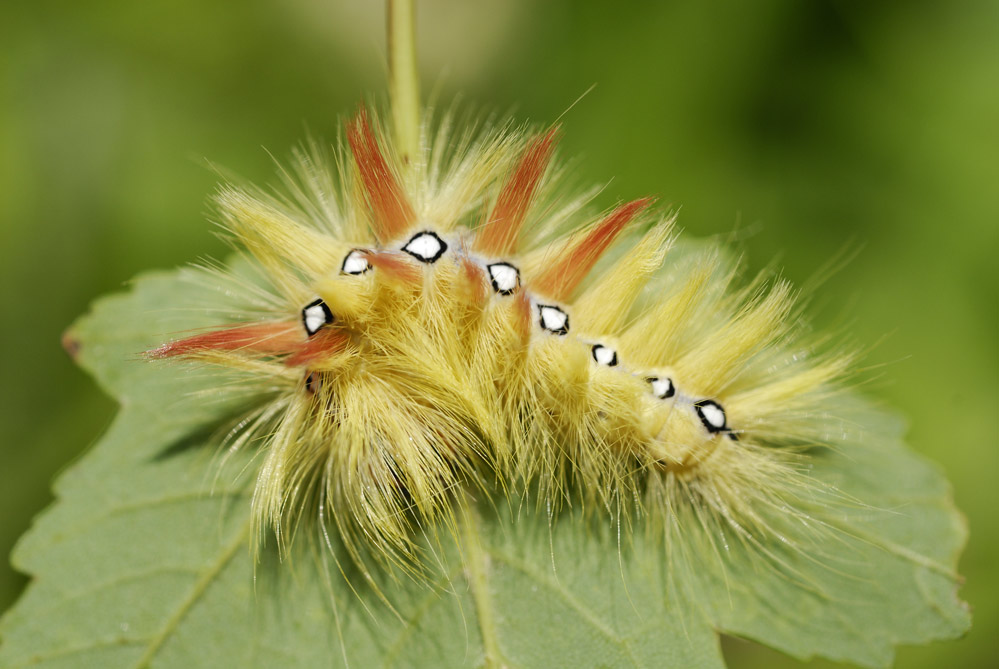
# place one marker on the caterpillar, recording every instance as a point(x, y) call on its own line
point(450, 322)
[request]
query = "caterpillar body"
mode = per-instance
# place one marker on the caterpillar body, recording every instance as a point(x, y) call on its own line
point(449, 323)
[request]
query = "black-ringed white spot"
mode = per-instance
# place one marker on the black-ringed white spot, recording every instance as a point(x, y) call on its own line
point(504, 276)
point(711, 414)
point(316, 314)
point(604, 355)
point(426, 247)
point(662, 387)
point(355, 263)
point(553, 319)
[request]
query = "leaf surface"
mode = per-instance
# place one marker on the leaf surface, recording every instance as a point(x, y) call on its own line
point(144, 560)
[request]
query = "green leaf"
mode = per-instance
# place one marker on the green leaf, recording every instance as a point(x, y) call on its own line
point(145, 559)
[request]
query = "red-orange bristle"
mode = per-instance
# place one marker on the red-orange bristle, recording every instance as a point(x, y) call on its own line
point(392, 213)
point(564, 273)
point(475, 280)
point(498, 236)
point(273, 338)
point(397, 266)
point(522, 311)
point(327, 341)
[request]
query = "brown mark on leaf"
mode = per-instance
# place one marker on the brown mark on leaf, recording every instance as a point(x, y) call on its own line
point(71, 345)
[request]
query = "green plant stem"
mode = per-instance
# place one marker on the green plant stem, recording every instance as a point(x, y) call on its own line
point(404, 81)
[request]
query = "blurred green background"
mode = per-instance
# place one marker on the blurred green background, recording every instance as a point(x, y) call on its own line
point(805, 127)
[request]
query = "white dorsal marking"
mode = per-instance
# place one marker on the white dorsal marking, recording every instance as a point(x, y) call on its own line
point(426, 247)
point(711, 414)
point(355, 263)
point(554, 319)
point(604, 355)
point(662, 387)
point(315, 315)
point(504, 276)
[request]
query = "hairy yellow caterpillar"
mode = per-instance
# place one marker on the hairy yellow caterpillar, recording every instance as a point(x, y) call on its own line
point(449, 321)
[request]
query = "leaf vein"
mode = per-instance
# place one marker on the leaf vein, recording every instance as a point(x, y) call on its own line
point(200, 587)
